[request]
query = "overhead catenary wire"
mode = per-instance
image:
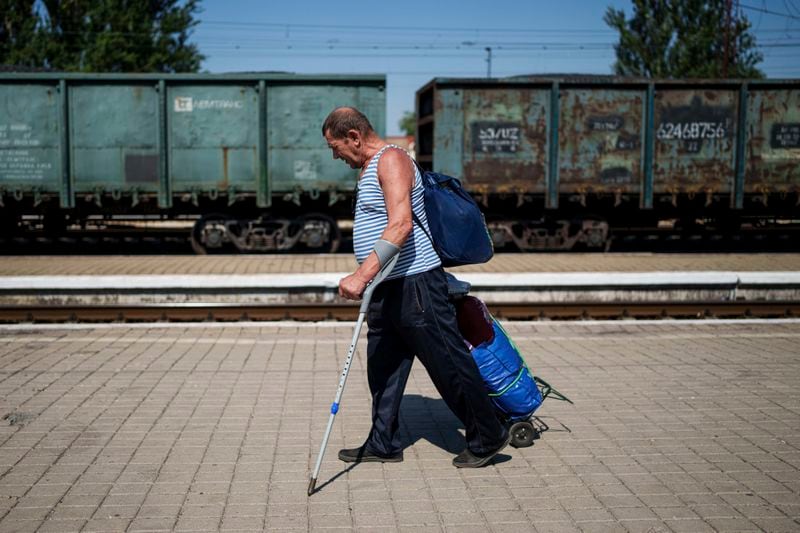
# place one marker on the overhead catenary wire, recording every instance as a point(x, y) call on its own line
point(769, 12)
point(278, 40)
point(474, 37)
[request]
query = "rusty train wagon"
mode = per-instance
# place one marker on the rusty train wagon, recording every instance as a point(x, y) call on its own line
point(568, 161)
point(238, 158)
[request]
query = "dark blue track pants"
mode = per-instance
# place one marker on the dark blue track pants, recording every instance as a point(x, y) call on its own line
point(411, 316)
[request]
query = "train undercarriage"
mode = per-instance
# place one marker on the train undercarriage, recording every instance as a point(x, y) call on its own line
point(311, 232)
point(538, 235)
point(319, 233)
point(318, 227)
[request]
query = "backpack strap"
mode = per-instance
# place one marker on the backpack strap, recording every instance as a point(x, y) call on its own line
point(414, 215)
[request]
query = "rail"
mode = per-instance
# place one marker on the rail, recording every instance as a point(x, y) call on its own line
point(198, 312)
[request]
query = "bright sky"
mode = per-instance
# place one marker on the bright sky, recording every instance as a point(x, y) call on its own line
point(414, 41)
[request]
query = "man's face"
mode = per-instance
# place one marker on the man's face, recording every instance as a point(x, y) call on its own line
point(344, 149)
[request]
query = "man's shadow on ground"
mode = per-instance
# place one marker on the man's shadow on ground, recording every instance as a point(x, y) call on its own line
point(427, 418)
point(430, 419)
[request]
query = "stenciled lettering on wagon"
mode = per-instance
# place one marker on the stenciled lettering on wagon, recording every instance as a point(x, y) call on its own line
point(692, 130)
point(627, 142)
point(695, 122)
point(692, 146)
point(18, 162)
point(188, 104)
point(785, 135)
point(605, 123)
point(491, 137)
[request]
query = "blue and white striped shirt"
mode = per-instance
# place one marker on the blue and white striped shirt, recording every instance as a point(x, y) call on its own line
point(417, 254)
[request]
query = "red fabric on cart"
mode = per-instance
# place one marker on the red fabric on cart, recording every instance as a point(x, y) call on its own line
point(474, 320)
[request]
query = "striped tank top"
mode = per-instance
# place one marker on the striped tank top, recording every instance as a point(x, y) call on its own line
point(417, 254)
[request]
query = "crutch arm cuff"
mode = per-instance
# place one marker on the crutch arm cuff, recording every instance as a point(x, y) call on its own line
point(385, 250)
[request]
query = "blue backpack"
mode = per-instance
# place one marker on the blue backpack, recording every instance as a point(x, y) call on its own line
point(457, 228)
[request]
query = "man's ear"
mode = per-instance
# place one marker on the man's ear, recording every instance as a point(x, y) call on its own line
point(354, 136)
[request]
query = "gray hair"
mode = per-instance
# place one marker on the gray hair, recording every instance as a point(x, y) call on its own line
point(343, 119)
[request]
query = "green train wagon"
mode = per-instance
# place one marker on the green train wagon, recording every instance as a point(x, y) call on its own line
point(240, 153)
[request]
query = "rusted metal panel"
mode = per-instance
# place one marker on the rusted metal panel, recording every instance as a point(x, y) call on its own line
point(600, 140)
point(773, 141)
point(448, 134)
point(631, 136)
point(505, 139)
point(695, 141)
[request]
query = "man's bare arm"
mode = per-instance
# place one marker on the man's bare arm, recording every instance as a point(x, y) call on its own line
point(396, 177)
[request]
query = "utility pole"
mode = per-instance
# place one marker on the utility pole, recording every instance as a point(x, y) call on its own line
point(488, 61)
point(727, 46)
point(734, 24)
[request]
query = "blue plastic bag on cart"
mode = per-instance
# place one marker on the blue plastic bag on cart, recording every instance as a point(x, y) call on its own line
point(510, 384)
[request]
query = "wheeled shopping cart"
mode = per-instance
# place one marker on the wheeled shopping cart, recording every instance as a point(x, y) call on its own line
point(514, 390)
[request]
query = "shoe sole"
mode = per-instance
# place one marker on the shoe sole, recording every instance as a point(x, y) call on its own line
point(484, 460)
point(370, 459)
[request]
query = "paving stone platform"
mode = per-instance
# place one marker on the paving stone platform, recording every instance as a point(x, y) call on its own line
point(675, 427)
point(299, 264)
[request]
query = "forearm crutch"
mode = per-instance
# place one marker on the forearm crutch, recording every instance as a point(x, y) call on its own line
point(386, 267)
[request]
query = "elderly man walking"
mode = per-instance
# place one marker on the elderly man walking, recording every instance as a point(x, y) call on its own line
point(409, 314)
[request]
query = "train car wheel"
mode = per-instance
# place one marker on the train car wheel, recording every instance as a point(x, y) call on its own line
point(321, 233)
point(209, 234)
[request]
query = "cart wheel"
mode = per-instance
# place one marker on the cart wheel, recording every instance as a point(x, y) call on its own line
point(522, 434)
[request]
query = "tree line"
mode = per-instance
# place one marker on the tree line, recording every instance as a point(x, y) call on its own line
point(99, 35)
point(684, 39)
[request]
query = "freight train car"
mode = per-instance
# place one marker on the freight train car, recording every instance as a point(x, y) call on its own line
point(566, 161)
point(239, 158)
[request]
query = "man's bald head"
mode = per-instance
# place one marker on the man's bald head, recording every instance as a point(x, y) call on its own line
point(343, 119)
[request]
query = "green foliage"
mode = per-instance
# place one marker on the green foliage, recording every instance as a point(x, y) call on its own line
point(408, 123)
point(18, 33)
point(683, 39)
point(105, 36)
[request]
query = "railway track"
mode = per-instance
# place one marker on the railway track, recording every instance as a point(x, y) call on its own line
point(198, 312)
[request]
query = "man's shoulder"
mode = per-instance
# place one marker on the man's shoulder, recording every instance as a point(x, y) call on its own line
point(393, 152)
point(395, 158)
